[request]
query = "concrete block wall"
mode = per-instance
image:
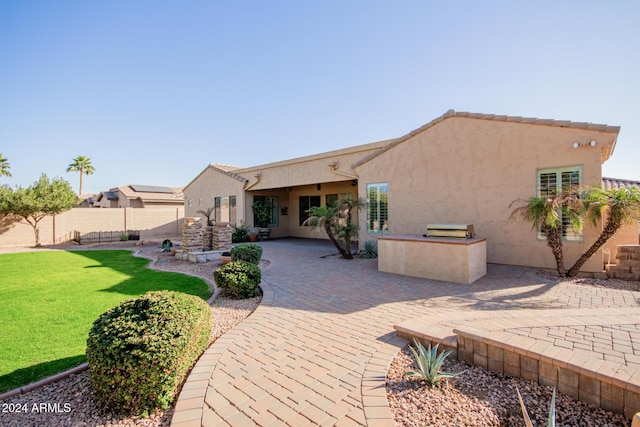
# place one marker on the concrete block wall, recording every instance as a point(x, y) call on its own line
point(583, 384)
point(153, 223)
point(627, 263)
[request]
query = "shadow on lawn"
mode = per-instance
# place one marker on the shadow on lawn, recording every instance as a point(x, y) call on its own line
point(140, 278)
point(24, 376)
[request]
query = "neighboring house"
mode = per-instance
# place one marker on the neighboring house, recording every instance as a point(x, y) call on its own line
point(87, 201)
point(459, 168)
point(140, 196)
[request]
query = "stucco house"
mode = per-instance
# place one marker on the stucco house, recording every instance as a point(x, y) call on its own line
point(461, 167)
point(140, 196)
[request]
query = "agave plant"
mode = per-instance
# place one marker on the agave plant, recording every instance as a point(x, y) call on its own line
point(370, 250)
point(429, 364)
point(551, 420)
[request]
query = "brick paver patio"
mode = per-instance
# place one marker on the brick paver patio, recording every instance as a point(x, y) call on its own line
point(316, 350)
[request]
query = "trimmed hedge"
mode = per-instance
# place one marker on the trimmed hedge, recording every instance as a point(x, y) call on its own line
point(238, 279)
point(249, 252)
point(139, 352)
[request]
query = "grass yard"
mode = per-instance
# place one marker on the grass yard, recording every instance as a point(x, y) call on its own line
point(49, 301)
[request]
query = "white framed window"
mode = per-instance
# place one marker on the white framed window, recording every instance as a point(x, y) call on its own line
point(378, 208)
point(225, 209)
point(304, 204)
point(554, 181)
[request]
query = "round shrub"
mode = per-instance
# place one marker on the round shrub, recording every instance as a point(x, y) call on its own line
point(238, 279)
point(140, 351)
point(239, 234)
point(249, 252)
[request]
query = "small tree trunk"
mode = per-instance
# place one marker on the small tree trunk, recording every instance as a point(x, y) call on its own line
point(554, 241)
point(609, 230)
point(346, 254)
point(36, 232)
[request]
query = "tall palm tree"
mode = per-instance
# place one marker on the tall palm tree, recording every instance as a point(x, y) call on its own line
point(545, 214)
point(83, 165)
point(622, 206)
point(337, 221)
point(4, 167)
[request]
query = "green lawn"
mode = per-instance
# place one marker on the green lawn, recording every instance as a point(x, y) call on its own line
point(49, 300)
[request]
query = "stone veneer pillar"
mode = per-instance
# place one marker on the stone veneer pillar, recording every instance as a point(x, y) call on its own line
point(221, 238)
point(207, 236)
point(192, 234)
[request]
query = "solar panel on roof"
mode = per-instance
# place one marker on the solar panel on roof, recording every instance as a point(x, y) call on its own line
point(151, 189)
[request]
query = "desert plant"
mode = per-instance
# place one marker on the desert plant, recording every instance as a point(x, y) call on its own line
point(337, 222)
point(249, 252)
point(5, 167)
point(551, 420)
point(622, 206)
point(83, 165)
point(546, 214)
point(140, 351)
point(370, 250)
point(429, 364)
point(124, 237)
point(209, 213)
point(238, 279)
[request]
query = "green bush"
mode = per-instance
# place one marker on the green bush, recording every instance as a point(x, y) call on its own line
point(140, 351)
point(238, 279)
point(249, 252)
point(239, 234)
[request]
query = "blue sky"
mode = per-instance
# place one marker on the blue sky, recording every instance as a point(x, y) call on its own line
point(154, 91)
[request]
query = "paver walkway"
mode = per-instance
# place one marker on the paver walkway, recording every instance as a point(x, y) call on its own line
point(316, 350)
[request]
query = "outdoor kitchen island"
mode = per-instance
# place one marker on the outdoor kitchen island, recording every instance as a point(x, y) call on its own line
point(438, 258)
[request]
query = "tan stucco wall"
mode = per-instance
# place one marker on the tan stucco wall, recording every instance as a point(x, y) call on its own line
point(200, 194)
point(469, 171)
point(455, 170)
point(450, 260)
point(308, 170)
point(295, 230)
point(152, 223)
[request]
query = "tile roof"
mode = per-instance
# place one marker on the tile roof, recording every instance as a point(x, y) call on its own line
point(614, 183)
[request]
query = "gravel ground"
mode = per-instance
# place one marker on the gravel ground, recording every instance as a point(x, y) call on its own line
point(479, 397)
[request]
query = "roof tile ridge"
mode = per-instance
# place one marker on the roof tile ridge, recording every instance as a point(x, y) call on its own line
point(229, 173)
point(533, 120)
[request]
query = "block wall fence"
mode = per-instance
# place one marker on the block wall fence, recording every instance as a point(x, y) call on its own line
point(153, 223)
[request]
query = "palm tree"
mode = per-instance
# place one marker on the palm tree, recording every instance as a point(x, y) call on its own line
point(208, 213)
point(4, 167)
point(545, 214)
point(622, 206)
point(83, 165)
point(337, 221)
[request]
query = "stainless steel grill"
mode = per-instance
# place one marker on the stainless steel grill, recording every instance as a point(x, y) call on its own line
point(457, 231)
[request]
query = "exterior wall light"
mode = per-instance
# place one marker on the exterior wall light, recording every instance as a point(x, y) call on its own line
point(584, 144)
